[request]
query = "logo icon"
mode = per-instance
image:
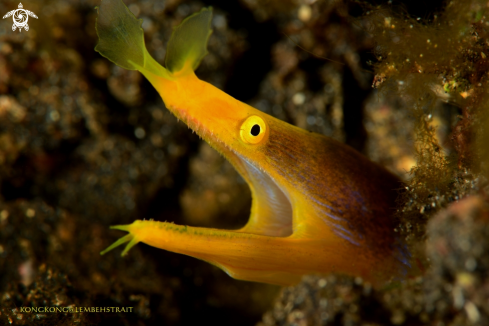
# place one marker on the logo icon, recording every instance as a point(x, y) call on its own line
point(21, 16)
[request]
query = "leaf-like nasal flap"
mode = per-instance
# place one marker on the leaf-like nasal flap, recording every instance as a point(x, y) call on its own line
point(121, 37)
point(121, 40)
point(188, 42)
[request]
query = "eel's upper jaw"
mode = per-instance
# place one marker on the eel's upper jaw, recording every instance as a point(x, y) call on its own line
point(271, 212)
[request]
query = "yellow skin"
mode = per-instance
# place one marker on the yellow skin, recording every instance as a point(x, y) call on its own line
point(318, 205)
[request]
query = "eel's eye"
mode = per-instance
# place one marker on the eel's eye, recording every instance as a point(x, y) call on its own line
point(253, 130)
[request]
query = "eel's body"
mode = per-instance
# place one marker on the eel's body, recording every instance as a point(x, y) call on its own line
point(318, 205)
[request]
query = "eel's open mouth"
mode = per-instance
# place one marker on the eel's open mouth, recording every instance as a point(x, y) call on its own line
point(271, 210)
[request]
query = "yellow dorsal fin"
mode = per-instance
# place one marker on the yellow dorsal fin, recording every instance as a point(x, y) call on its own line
point(188, 42)
point(121, 40)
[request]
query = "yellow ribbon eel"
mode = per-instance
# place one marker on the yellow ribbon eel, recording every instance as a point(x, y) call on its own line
point(318, 205)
